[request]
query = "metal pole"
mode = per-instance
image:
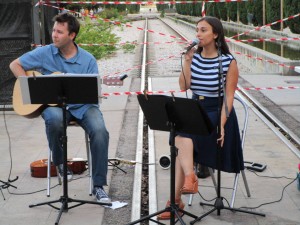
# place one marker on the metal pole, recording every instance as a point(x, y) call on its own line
point(264, 12)
point(281, 15)
point(238, 12)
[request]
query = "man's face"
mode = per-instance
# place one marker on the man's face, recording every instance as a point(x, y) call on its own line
point(60, 35)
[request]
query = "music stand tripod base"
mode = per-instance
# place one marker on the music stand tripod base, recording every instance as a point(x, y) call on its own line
point(219, 200)
point(219, 206)
point(62, 90)
point(170, 114)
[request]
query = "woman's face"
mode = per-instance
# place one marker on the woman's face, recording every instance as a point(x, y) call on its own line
point(205, 34)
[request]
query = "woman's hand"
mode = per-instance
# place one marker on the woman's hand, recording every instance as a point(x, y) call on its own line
point(222, 135)
point(189, 55)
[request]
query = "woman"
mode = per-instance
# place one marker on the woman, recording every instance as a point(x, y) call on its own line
point(201, 74)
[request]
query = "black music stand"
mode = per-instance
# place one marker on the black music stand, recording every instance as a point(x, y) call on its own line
point(174, 115)
point(62, 90)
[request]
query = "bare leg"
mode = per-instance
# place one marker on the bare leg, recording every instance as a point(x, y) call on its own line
point(179, 179)
point(185, 154)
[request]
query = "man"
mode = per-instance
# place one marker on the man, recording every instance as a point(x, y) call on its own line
point(66, 57)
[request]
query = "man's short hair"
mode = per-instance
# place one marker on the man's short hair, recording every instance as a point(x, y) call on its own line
point(73, 24)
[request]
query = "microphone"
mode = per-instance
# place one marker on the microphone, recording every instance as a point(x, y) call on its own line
point(192, 45)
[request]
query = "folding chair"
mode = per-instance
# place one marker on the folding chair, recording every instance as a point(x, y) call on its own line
point(236, 176)
point(87, 143)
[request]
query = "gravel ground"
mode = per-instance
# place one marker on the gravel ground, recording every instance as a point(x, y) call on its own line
point(121, 185)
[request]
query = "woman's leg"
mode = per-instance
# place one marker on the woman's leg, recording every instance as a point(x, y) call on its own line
point(185, 154)
point(187, 180)
point(184, 165)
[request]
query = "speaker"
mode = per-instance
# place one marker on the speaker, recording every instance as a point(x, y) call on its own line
point(165, 162)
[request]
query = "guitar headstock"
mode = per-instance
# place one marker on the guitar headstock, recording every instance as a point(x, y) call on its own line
point(114, 80)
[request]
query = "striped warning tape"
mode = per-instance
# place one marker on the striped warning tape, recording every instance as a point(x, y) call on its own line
point(181, 38)
point(134, 3)
point(179, 42)
point(180, 91)
point(267, 25)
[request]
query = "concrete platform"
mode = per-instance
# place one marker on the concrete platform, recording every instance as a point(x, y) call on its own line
point(24, 141)
point(261, 146)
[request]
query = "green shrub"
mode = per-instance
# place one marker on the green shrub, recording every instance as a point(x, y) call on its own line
point(97, 32)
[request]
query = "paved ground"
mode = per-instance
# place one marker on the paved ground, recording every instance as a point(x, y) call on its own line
point(261, 146)
point(28, 143)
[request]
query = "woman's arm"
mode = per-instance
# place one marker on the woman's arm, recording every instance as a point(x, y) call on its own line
point(231, 84)
point(185, 75)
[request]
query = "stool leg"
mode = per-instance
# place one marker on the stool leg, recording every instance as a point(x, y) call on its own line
point(246, 183)
point(211, 172)
point(88, 152)
point(48, 173)
point(236, 178)
point(192, 195)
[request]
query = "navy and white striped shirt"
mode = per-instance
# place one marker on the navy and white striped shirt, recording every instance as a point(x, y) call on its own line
point(205, 74)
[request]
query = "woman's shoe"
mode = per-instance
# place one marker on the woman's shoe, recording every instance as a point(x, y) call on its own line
point(190, 184)
point(167, 215)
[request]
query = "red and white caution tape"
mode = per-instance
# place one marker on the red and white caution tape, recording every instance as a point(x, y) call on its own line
point(203, 9)
point(267, 25)
point(116, 22)
point(178, 42)
point(269, 88)
point(134, 3)
point(266, 60)
point(151, 31)
point(139, 92)
point(183, 40)
point(180, 91)
point(265, 39)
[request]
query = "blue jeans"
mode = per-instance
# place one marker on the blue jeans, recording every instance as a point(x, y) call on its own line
point(93, 123)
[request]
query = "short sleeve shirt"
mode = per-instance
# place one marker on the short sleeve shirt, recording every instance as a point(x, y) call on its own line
point(48, 59)
point(205, 74)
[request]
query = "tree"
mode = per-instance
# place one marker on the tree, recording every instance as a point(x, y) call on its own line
point(292, 7)
point(273, 13)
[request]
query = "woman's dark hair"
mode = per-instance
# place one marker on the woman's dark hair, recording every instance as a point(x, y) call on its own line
point(217, 28)
point(73, 24)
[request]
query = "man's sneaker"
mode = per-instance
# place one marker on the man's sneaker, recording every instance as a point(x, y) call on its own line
point(60, 169)
point(101, 195)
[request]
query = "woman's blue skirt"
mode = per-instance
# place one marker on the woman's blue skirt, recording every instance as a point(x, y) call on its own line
point(206, 147)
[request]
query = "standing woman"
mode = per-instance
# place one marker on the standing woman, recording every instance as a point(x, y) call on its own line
point(200, 73)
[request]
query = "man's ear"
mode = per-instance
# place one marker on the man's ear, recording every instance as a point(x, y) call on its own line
point(72, 35)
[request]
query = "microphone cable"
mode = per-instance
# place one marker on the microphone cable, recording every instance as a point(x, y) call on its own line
point(6, 185)
point(181, 64)
point(275, 201)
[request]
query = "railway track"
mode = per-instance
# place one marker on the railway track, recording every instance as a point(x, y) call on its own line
point(162, 61)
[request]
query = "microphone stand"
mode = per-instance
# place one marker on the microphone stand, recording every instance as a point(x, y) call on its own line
point(219, 200)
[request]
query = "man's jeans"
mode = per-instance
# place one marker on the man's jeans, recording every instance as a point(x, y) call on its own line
point(93, 123)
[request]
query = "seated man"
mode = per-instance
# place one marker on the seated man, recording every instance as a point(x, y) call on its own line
point(66, 57)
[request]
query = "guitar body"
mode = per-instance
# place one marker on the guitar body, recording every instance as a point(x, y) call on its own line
point(27, 110)
point(39, 168)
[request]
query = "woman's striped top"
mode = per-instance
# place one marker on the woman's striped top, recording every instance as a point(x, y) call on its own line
point(205, 74)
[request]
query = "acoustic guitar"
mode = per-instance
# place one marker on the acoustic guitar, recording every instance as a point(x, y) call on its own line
point(34, 110)
point(39, 168)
